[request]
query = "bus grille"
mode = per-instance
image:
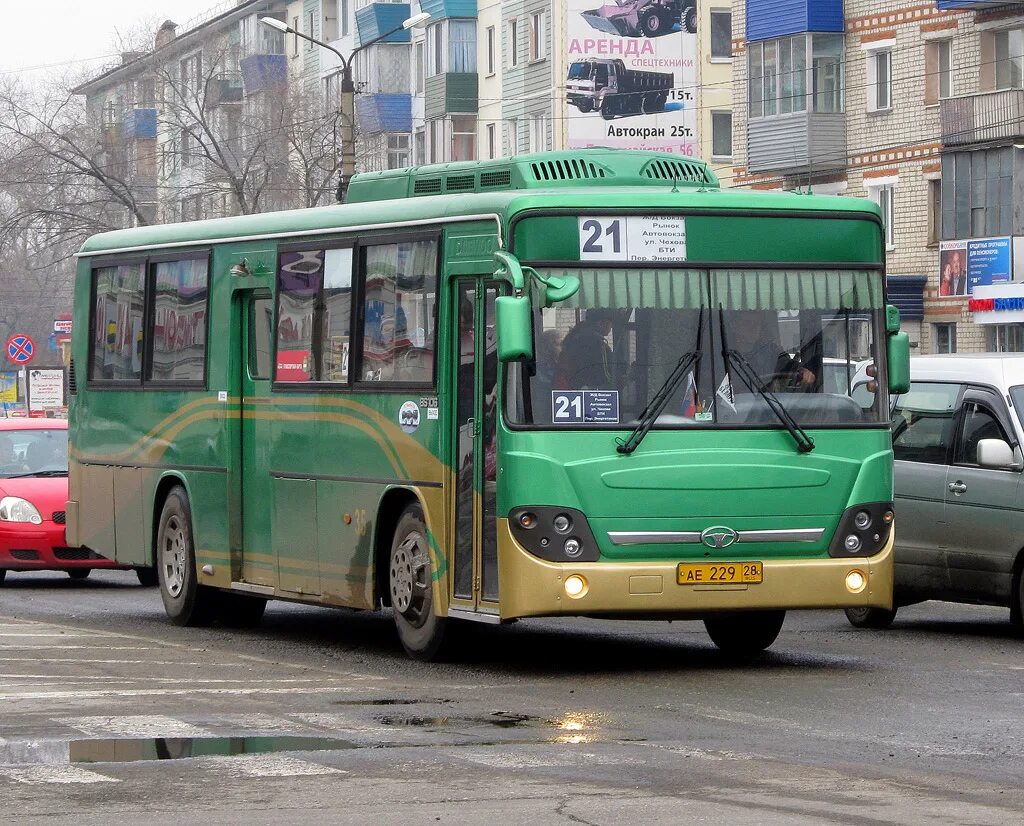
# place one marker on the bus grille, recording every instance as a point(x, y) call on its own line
point(74, 554)
point(72, 381)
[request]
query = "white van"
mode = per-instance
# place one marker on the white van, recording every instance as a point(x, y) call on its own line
point(959, 484)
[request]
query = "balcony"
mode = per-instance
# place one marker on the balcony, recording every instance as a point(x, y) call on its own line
point(989, 116)
point(384, 113)
point(139, 123)
point(375, 19)
point(226, 88)
point(451, 92)
point(440, 9)
point(261, 72)
point(797, 142)
point(961, 5)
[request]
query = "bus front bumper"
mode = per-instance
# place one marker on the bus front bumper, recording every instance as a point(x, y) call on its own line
point(532, 587)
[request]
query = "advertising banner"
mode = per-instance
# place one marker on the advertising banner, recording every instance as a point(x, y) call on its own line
point(977, 262)
point(45, 390)
point(8, 389)
point(632, 76)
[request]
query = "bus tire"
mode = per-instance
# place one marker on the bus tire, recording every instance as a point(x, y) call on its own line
point(870, 617)
point(410, 583)
point(79, 574)
point(186, 602)
point(240, 610)
point(744, 634)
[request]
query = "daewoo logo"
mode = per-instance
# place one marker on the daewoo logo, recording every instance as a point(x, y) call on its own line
point(718, 537)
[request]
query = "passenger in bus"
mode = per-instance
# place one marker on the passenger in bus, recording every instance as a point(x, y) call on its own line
point(586, 361)
point(755, 334)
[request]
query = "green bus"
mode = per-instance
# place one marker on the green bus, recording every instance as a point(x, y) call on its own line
point(575, 383)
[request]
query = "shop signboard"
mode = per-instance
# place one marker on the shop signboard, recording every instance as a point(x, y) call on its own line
point(632, 75)
point(975, 262)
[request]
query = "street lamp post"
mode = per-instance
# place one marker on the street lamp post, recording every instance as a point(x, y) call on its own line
point(348, 89)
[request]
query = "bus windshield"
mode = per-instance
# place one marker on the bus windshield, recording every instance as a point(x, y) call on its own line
point(800, 335)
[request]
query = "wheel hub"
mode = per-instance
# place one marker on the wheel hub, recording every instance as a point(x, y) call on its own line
point(173, 552)
point(410, 584)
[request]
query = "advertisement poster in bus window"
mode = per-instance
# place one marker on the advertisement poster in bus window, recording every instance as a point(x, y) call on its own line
point(632, 75)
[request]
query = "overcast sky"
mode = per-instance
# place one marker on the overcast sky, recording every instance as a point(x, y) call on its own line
point(61, 31)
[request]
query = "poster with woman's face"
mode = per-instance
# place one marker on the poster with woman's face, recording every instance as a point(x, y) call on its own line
point(953, 268)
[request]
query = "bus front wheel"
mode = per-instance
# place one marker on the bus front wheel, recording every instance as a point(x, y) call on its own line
point(744, 634)
point(185, 600)
point(870, 617)
point(410, 584)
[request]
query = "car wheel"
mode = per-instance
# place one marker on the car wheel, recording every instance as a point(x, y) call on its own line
point(240, 610)
point(870, 617)
point(79, 573)
point(148, 577)
point(185, 600)
point(744, 634)
point(3, 575)
point(410, 583)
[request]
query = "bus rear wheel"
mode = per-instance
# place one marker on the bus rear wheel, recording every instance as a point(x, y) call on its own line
point(410, 584)
point(186, 601)
point(870, 617)
point(744, 634)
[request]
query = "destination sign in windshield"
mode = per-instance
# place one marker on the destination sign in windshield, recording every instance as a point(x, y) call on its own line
point(632, 238)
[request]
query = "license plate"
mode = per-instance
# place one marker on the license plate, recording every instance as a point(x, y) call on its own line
point(719, 573)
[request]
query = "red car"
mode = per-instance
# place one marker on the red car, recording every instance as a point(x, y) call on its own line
point(33, 495)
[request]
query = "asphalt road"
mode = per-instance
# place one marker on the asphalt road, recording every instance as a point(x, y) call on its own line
point(569, 721)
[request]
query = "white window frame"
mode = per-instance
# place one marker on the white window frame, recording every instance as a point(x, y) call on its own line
point(492, 140)
point(714, 155)
point(513, 44)
point(491, 51)
point(875, 60)
point(719, 12)
point(951, 343)
point(537, 36)
point(946, 76)
point(538, 136)
point(883, 192)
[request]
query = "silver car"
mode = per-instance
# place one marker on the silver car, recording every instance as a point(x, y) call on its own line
point(958, 480)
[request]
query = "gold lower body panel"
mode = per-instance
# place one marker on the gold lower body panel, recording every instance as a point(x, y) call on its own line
point(532, 587)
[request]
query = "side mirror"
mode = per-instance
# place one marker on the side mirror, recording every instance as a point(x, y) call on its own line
point(995, 453)
point(897, 347)
point(514, 327)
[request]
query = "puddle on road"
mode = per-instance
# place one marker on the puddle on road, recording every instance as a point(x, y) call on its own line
point(130, 750)
point(391, 701)
point(501, 719)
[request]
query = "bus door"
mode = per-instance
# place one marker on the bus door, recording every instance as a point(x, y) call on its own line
point(258, 564)
point(475, 565)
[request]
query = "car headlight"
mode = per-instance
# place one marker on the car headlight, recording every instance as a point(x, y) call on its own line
point(16, 509)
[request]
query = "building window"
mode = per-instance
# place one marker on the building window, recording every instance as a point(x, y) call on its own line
point(938, 65)
point(419, 67)
point(880, 81)
point(490, 50)
point(538, 133)
point(330, 30)
point(295, 37)
point(977, 193)
point(721, 134)
point(343, 17)
point(462, 46)
point(934, 212)
point(721, 34)
point(538, 34)
point(463, 138)
point(885, 197)
point(827, 72)
point(945, 338)
point(310, 29)
point(191, 81)
point(513, 43)
point(435, 50)
point(492, 141)
point(778, 76)
point(512, 138)
point(419, 147)
point(1006, 338)
point(398, 151)
point(436, 148)
point(1009, 58)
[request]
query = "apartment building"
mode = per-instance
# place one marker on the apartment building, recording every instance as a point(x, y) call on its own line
point(912, 105)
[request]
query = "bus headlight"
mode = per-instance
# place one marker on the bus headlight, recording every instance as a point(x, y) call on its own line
point(863, 530)
point(855, 582)
point(554, 533)
point(16, 509)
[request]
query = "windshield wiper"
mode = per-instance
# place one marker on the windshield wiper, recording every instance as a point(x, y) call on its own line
point(736, 360)
point(660, 399)
point(37, 473)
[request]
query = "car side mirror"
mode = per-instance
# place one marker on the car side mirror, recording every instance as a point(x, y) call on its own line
point(995, 453)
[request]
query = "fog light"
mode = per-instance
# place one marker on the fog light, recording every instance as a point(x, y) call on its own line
point(862, 520)
point(562, 523)
point(852, 543)
point(527, 520)
point(855, 582)
point(575, 586)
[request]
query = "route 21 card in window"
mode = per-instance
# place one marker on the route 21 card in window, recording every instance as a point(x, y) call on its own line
point(584, 406)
